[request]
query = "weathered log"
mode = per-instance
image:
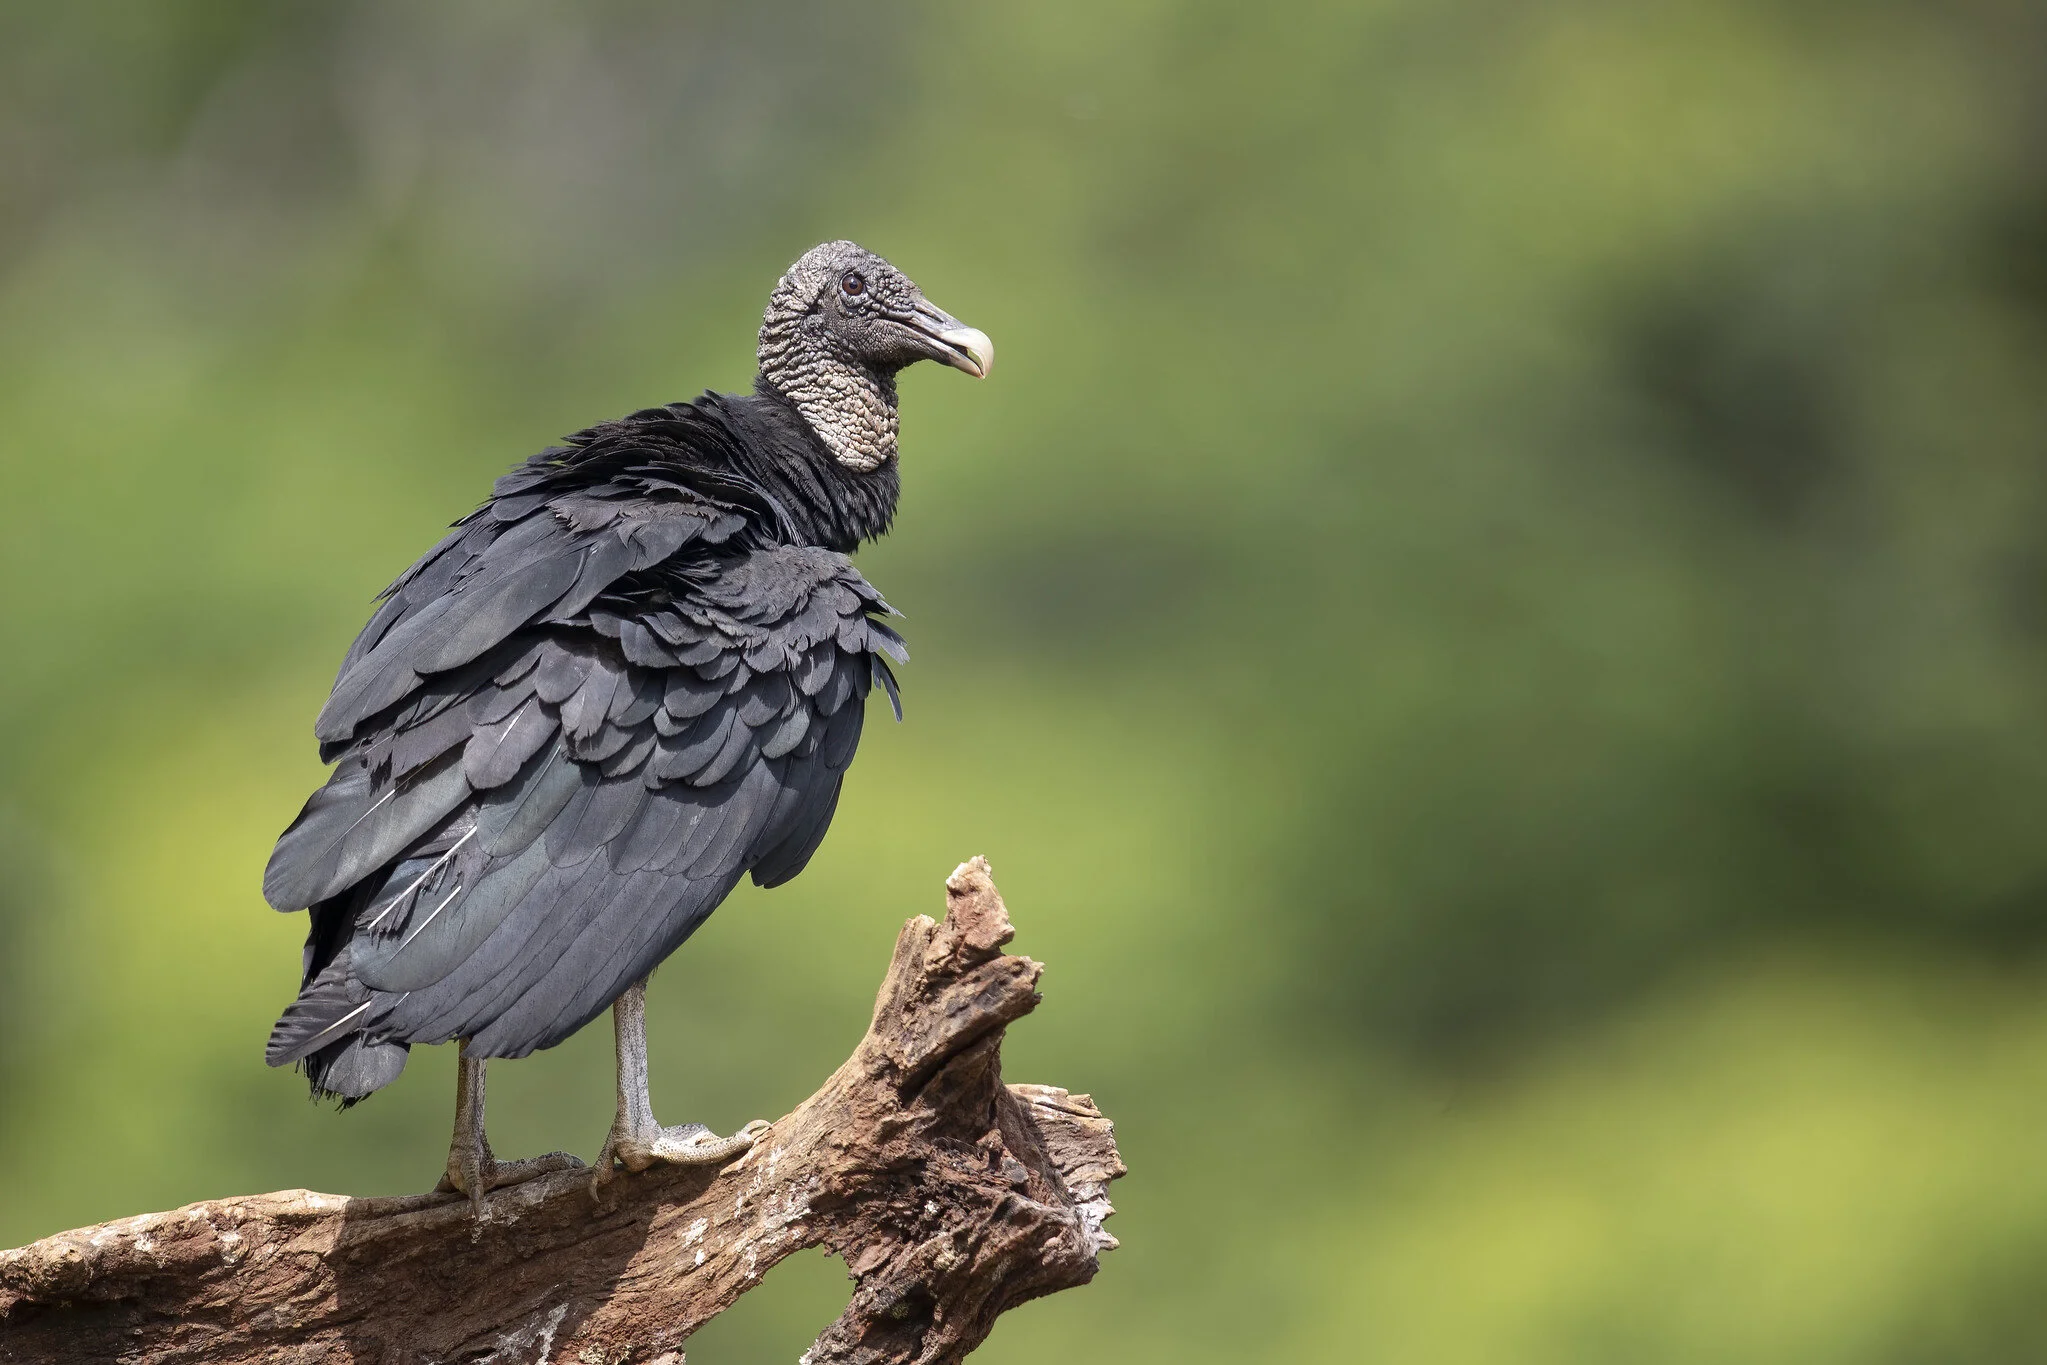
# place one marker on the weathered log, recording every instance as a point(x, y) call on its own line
point(950, 1197)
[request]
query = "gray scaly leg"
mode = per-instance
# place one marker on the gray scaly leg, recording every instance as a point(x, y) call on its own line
point(636, 1140)
point(472, 1170)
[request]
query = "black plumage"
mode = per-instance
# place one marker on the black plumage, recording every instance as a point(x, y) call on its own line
point(636, 674)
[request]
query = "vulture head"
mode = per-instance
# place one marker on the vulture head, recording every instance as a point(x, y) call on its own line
point(839, 326)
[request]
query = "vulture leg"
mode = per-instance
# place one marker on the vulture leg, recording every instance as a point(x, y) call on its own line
point(472, 1170)
point(636, 1139)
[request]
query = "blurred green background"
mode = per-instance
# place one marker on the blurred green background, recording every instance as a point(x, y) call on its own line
point(1492, 620)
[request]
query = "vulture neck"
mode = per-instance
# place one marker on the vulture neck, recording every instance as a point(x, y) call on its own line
point(832, 505)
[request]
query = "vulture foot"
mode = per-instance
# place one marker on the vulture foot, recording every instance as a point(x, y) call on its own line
point(478, 1173)
point(684, 1144)
point(636, 1140)
point(472, 1170)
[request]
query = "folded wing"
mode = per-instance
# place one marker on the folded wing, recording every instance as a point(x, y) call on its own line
point(562, 740)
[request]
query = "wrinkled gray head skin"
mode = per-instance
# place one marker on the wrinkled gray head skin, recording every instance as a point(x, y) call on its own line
point(839, 326)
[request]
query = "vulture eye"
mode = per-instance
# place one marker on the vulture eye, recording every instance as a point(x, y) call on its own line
point(853, 284)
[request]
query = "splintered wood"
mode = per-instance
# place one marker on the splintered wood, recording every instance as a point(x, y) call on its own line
point(950, 1196)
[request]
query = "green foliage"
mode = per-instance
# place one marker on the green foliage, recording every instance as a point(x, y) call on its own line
point(1490, 620)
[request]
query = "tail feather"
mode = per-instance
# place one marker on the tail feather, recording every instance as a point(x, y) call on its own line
point(321, 1015)
point(321, 1031)
point(350, 1069)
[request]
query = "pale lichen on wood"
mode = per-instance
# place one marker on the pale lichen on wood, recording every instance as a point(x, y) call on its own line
point(950, 1196)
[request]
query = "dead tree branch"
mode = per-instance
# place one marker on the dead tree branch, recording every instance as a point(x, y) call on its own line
point(950, 1197)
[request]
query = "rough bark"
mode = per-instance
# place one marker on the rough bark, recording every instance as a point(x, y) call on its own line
point(950, 1196)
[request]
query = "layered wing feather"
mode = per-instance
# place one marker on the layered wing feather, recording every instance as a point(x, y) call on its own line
point(563, 738)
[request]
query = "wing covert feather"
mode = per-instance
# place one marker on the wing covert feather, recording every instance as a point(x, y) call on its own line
point(613, 716)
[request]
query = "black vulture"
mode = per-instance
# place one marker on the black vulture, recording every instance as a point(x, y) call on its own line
point(634, 675)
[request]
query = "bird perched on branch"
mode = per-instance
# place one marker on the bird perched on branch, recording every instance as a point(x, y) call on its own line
point(635, 675)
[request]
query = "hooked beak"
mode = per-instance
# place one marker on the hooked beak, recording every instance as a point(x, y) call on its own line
point(958, 345)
